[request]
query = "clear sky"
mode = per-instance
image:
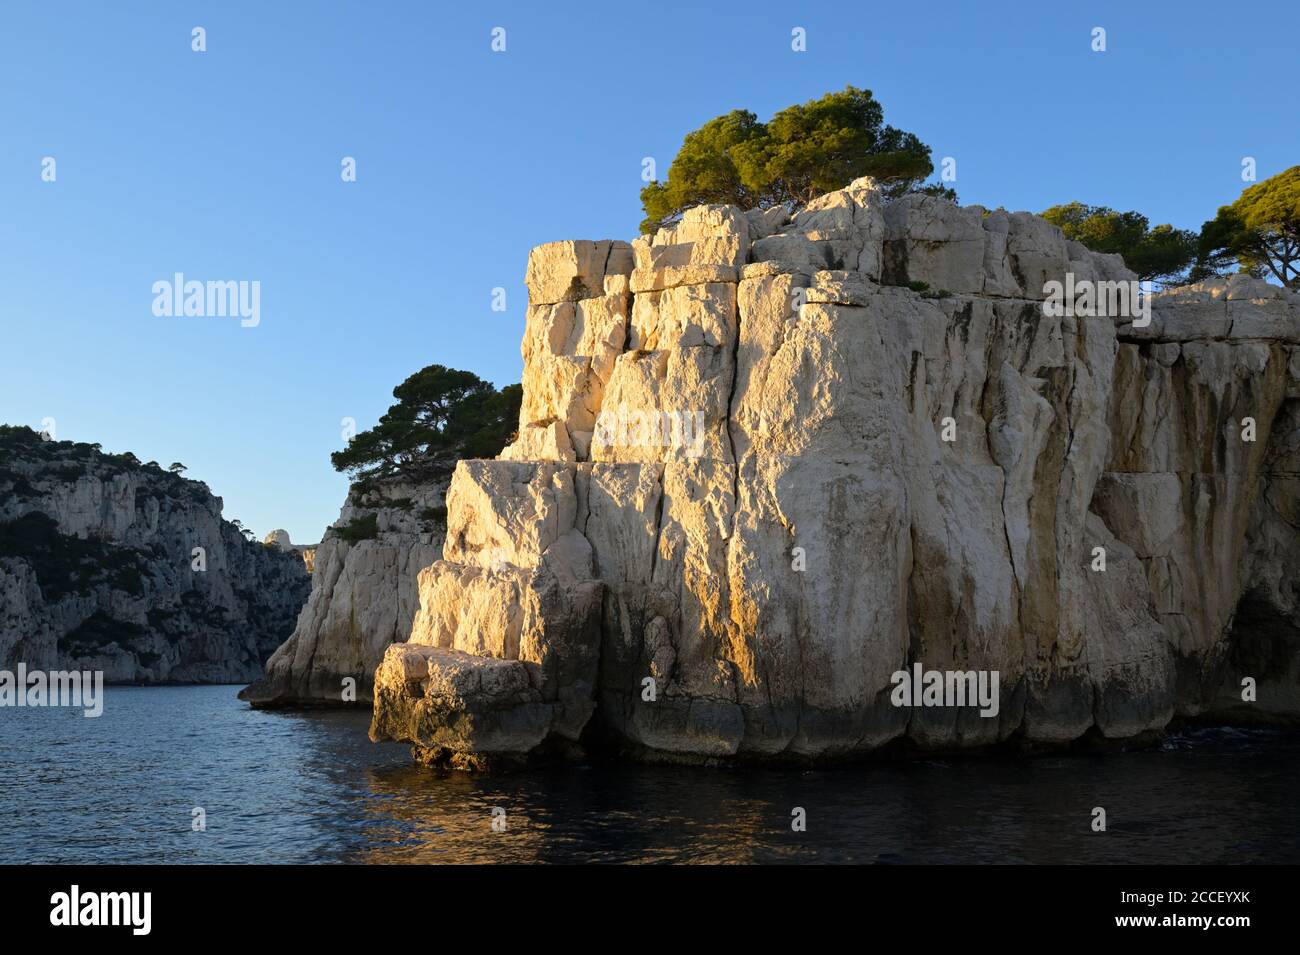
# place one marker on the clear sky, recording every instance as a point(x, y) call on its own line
point(225, 165)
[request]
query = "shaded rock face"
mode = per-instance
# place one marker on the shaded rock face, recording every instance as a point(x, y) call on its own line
point(364, 597)
point(99, 571)
point(764, 463)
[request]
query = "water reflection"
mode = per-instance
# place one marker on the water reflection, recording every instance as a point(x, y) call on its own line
point(310, 787)
point(1208, 801)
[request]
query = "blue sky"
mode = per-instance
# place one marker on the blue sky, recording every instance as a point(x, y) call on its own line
point(225, 165)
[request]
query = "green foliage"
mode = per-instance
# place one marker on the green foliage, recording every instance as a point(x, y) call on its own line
point(942, 191)
point(199, 607)
point(495, 424)
point(1217, 248)
point(705, 169)
point(64, 564)
point(1259, 232)
point(434, 515)
point(68, 460)
point(1157, 254)
point(923, 288)
point(17, 443)
point(99, 631)
point(14, 438)
point(802, 152)
point(15, 484)
point(359, 529)
point(441, 416)
point(160, 618)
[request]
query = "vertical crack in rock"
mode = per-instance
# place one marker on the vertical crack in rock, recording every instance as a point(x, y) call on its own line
point(731, 401)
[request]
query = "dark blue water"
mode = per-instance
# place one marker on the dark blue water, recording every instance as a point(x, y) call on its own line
point(311, 787)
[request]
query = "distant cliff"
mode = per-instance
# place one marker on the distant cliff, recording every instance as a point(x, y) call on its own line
point(280, 538)
point(109, 564)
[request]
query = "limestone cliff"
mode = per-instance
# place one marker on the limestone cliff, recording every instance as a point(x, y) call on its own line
point(364, 596)
point(107, 564)
point(765, 463)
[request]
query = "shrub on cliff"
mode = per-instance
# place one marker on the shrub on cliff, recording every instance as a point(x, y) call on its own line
point(802, 152)
point(65, 564)
point(1259, 232)
point(99, 631)
point(442, 415)
point(364, 528)
point(1161, 253)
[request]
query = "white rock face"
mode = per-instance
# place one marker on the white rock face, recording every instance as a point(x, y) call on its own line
point(110, 565)
point(758, 474)
point(278, 538)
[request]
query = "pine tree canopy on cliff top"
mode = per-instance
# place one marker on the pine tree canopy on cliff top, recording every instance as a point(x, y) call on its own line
point(802, 152)
point(442, 415)
point(1160, 252)
point(1260, 232)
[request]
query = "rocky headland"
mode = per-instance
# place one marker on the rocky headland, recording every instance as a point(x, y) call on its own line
point(767, 462)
